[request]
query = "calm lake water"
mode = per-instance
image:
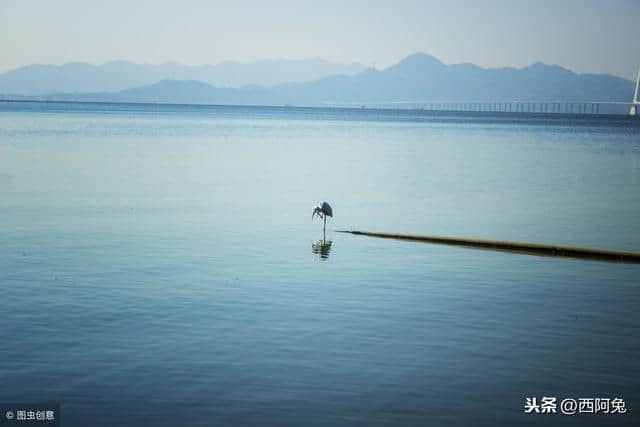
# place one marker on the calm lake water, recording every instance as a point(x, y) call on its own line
point(159, 265)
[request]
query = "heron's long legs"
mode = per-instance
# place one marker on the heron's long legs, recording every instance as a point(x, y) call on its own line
point(324, 228)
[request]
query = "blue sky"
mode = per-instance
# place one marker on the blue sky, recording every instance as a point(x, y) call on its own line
point(585, 36)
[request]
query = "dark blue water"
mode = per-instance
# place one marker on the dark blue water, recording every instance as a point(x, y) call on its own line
point(159, 265)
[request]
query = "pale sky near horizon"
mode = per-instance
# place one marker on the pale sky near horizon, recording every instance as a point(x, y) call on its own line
point(586, 36)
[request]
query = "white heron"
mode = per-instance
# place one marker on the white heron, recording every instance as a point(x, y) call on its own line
point(323, 210)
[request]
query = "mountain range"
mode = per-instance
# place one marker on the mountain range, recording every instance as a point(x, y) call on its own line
point(79, 77)
point(419, 77)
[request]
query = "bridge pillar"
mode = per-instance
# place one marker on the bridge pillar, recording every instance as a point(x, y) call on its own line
point(634, 107)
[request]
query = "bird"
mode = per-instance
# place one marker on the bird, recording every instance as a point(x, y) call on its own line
point(323, 210)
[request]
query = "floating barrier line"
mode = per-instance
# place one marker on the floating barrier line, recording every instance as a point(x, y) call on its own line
point(517, 247)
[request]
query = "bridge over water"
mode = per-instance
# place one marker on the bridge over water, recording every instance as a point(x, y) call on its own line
point(512, 106)
point(558, 107)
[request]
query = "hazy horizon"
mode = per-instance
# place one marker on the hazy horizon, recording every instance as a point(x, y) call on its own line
point(223, 62)
point(316, 58)
point(583, 36)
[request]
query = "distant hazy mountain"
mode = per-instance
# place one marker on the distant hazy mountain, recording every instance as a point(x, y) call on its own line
point(178, 92)
point(419, 77)
point(423, 77)
point(118, 75)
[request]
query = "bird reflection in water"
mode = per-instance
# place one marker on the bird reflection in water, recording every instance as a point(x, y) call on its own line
point(322, 249)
